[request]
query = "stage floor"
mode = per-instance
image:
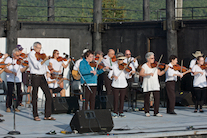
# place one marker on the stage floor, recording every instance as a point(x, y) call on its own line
point(135, 123)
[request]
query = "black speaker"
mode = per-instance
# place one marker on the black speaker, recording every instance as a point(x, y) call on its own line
point(184, 98)
point(85, 121)
point(65, 105)
point(104, 102)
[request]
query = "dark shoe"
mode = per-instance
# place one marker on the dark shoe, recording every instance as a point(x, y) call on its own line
point(1, 115)
point(49, 118)
point(201, 111)
point(1, 120)
point(195, 111)
point(172, 113)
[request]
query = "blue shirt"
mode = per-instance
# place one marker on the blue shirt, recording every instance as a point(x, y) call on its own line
point(85, 70)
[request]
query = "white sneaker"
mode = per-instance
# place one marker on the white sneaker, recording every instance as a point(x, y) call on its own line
point(158, 115)
point(147, 115)
point(114, 115)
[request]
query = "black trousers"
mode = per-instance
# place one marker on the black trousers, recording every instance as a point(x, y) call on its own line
point(40, 81)
point(170, 87)
point(200, 94)
point(10, 86)
point(119, 93)
point(100, 83)
point(156, 95)
point(107, 83)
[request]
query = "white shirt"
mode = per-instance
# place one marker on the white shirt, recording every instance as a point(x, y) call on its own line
point(192, 63)
point(107, 61)
point(35, 65)
point(134, 64)
point(121, 82)
point(199, 80)
point(56, 65)
point(150, 83)
point(52, 85)
point(170, 72)
point(15, 68)
point(77, 64)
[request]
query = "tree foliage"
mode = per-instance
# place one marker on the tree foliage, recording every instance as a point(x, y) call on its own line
point(83, 14)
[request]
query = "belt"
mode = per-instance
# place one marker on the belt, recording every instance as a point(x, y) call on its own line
point(37, 74)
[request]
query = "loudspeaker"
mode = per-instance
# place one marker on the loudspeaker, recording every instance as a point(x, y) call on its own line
point(65, 105)
point(85, 121)
point(104, 102)
point(184, 98)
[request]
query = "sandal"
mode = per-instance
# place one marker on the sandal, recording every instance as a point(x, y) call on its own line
point(201, 111)
point(49, 118)
point(37, 118)
point(52, 132)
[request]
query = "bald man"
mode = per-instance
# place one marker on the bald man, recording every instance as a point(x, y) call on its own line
point(108, 62)
point(134, 66)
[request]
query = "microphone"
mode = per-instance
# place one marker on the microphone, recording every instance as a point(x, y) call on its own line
point(66, 55)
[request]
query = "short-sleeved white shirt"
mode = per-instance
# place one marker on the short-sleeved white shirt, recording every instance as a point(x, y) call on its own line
point(199, 80)
point(15, 68)
point(56, 65)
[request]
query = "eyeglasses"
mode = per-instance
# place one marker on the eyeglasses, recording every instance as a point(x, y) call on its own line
point(128, 54)
point(57, 53)
point(152, 58)
point(17, 55)
point(120, 59)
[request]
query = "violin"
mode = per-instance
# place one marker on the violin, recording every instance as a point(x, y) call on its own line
point(122, 67)
point(113, 59)
point(161, 65)
point(61, 59)
point(2, 65)
point(23, 55)
point(23, 62)
point(100, 66)
point(40, 56)
point(204, 66)
point(178, 67)
point(56, 76)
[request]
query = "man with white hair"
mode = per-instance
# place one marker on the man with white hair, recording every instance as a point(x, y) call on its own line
point(37, 70)
point(14, 76)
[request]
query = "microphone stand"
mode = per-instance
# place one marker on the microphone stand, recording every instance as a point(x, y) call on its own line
point(84, 84)
point(14, 97)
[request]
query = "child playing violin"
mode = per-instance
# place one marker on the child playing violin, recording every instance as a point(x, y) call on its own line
point(171, 78)
point(119, 84)
point(199, 83)
point(53, 85)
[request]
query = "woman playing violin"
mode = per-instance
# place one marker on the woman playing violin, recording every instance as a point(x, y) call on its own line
point(199, 83)
point(119, 84)
point(151, 83)
point(57, 64)
point(171, 77)
point(90, 75)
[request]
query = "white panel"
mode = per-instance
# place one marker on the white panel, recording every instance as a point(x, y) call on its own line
point(48, 45)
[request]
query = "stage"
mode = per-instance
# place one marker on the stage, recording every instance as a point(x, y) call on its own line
point(134, 125)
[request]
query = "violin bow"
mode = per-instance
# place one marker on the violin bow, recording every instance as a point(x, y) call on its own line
point(158, 62)
point(125, 67)
point(99, 61)
point(181, 66)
